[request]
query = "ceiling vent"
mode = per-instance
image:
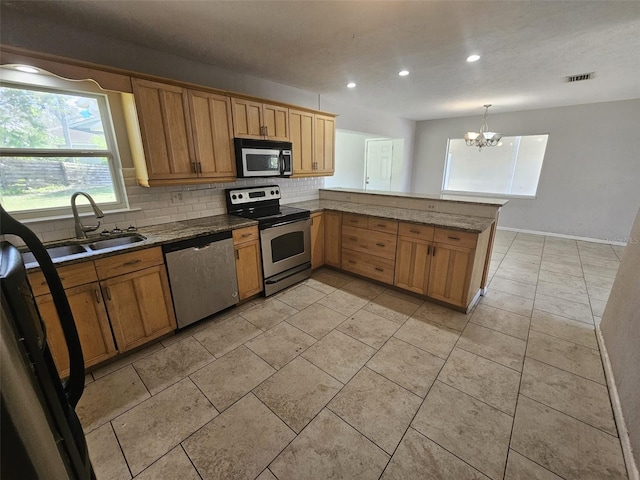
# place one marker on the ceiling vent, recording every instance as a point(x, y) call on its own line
point(580, 77)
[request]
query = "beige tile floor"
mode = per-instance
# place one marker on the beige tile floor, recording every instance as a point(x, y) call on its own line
point(343, 378)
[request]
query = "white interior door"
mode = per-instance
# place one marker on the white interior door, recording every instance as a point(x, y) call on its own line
point(378, 161)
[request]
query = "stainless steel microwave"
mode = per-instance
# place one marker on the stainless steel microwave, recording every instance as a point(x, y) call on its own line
point(263, 158)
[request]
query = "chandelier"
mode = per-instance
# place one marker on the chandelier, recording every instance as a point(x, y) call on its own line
point(485, 138)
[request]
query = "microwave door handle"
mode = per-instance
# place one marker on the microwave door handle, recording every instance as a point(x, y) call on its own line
point(281, 158)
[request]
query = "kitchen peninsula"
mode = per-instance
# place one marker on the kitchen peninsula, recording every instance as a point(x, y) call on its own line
point(436, 246)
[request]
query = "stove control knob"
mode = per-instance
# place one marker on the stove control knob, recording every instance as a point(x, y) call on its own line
point(234, 196)
point(240, 196)
point(272, 192)
point(277, 192)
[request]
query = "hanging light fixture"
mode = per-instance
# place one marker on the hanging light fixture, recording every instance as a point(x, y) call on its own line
point(485, 138)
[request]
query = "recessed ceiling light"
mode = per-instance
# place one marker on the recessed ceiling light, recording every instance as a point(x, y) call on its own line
point(26, 69)
point(403, 73)
point(351, 85)
point(473, 58)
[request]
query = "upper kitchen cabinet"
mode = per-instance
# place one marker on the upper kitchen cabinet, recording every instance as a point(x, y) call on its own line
point(186, 135)
point(259, 120)
point(313, 140)
point(165, 129)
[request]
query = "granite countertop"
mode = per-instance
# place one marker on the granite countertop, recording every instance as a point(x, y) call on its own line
point(155, 235)
point(465, 223)
point(473, 200)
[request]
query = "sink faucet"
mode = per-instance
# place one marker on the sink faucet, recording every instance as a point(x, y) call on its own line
point(81, 230)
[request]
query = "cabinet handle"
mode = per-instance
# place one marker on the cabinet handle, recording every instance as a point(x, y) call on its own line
point(245, 235)
point(379, 269)
point(434, 251)
point(453, 238)
point(194, 167)
point(428, 250)
point(108, 292)
point(132, 262)
point(381, 225)
point(266, 130)
point(95, 292)
point(352, 261)
point(353, 239)
point(237, 254)
point(199, 167)
point(380, 244)
point(417, 232)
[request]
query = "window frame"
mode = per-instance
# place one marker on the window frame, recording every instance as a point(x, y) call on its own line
point(447, 167)
point(45, 82)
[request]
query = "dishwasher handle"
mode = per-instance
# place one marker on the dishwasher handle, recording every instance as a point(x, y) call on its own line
point(198, 243)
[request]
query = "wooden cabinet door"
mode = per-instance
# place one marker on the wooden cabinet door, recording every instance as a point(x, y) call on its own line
point(248, 269)
point(91, 322)
point(449, 274)
point(275, 119)
point(139, 306)
point(301, 134)
point(332, 238)
point(317, 240)
point(325, 144)
point(247, 118)
point(165, 129)
point(212, 134)
point(413, 258)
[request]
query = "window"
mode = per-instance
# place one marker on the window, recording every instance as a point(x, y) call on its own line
point(512, 168)
point(52, 144)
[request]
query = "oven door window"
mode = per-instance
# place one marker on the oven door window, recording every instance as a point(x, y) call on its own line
point(262, 161)
point(287, 246)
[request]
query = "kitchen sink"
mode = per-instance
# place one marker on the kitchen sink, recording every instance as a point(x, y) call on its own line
point(116, 242)
point(56, 252)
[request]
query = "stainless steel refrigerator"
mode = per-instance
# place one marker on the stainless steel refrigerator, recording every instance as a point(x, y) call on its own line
point(42, 437)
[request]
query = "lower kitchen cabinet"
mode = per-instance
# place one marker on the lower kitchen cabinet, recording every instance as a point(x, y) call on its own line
point(332, 238)
point(139, 306)
point(413, 258)
point(449, 274)
point(92, 324)
point(248, 262)
point(317, 240)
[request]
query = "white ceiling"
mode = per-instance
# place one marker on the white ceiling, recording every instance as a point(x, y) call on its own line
point(527, 47)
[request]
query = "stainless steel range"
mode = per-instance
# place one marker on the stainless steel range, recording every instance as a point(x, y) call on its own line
point(285, 234)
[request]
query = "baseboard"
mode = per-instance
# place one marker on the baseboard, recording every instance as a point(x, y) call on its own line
point(627, 451)
point(561, 235)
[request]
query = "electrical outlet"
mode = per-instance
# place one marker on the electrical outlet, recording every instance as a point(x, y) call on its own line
point(431, 206)
point(176, 197)
point(347, 198)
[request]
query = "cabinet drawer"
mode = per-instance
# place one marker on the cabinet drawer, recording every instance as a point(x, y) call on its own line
point(377, 268)
point(382, 225)
point(247, 234)
point(367, 241)
point(412, 230)
point(70, 275)
point(128, 262)
point(354, 220)
point(456, 237)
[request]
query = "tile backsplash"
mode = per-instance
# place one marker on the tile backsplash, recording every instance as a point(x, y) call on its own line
point(155, 205)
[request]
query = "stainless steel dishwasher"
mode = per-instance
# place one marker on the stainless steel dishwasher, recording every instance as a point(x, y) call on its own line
point(202, 275)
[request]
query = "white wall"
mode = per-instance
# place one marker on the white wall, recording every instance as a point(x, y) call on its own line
point(620, 328)
point(350, 153)
point(589, 185)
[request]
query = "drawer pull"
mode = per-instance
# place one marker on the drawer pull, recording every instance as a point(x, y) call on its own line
point(417, 232)
point(453, 238)
point(353, 220)
point(381, 225)
point(245, 235)
point(380, 244)
point(379, 269)
point(353, 239)
point(108, 292)
point(132, 262)
point(95, 292)
point(352, 261)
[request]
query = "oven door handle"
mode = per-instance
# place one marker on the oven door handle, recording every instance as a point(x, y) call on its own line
point(289, 222)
